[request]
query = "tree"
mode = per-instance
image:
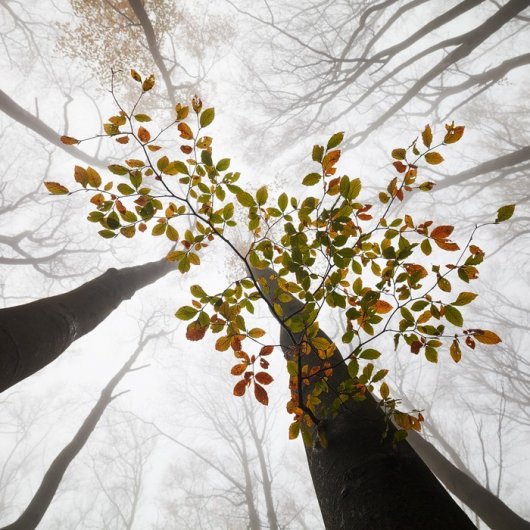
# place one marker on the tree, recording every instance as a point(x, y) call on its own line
point(363, 471)
point(34, 512)
point(35, 334)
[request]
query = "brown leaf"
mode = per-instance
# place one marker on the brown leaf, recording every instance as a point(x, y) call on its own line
point(240, 388)
point(442, 232)
point(185, 131)
point(382, 307)
point(69, 140)
point(238, 369)
point(195, 331)
point(264, 378)
point(486, 337)
point(144, 135)
point(261, 394)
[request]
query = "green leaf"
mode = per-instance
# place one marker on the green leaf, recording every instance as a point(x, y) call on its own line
point(283, 201)
point(262, 195)
point(186, 312)
point(118, 170)
point(335, 140)
point(56, 189)
point(223, 164)
point(142, 117)
point(207, 117)
point(464, 298)
point(107, 234)
point(504, 213)
point(311, 179)
point(399, 154)
point(453, 315)
point(245, 199)
point(125, 189)
point(318, 153)
point(370, 354)
point(197, 291)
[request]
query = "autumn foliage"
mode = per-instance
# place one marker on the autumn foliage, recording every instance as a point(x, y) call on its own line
point(328, 250)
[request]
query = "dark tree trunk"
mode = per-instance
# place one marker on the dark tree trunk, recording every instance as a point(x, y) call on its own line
point(35, 334)
point(363, 481)
point(485, 504)
point(43, 497)
point(22, 116)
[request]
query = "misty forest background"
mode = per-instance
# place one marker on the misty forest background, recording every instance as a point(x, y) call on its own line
point(178, 450)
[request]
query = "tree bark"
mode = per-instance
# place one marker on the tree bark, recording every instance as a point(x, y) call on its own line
point(362, 479)
point(485, 504)
point(39, 504)
point(22, 116)
point(35, 334)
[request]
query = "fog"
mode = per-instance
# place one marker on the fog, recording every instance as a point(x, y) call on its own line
point(117, 420)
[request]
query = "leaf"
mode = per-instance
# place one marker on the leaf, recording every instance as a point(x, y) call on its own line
point(223, 343)
point(426, 247)
point(128, 231)
point(382, 307)
point(311, 179)
point(453, 315)
point(207, 117)
point(426, 136)
point(136, 76)
point(464, 298)
point(93, 177)
point(330, 159)
point(486, 337)
point(454, 134)
point(317, 153)
point(442, 232)
point(185, 131)
point(399, 154)
point(56, 189)
point(223, 164)
point(186, 312)
point(504, 213)
point(107, 234)
point(117, 169)
point(455, 351)
point(256, 333)
point(264, 378)
point(434, 158)
point(370, 354)
point(447, 245)
point(240, 388)
point(171, 233)
point(261, 394)
point(144, 135)
point(283, 202)
point(149, 83)
point(335, 140)
point(266, 350)
point(384, 390)
point(262, 195)
point(69, 140)
point(142, 117)
point(238, 369)
point(195, 331)
point(294, 430)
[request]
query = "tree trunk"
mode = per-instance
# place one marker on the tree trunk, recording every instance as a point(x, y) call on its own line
point(35, 334)
point(22, 116)
point(485, 504)
point(362, 479)
point(43, 497)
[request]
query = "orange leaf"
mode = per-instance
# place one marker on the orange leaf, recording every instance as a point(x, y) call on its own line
point(382, 307)
point(238, 369)
point(185, 131)
point(486, 337)
point(411, 268)
point(68, 140)
point(264, 378)
point(240, 388)
point(447, 245)
point(123, 140)
point(261, 394)
point(453, 135)
point(144, 135)
point(56, 189)
point(195, 331)
point(266, 350)
point(223, 343)
point(330, 160)
point(442, 232)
